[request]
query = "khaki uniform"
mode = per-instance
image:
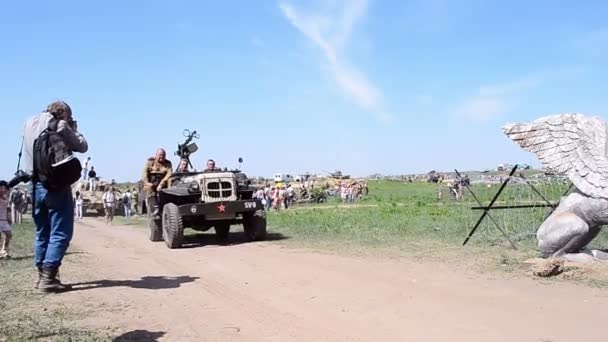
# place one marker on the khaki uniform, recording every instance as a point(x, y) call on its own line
point(158, 173)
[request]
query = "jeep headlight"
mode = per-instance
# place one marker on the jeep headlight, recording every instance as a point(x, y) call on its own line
point(194, 186)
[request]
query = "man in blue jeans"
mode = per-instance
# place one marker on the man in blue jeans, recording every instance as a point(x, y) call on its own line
point(53, 210)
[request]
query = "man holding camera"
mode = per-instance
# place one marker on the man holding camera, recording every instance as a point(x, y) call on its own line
point(53, 209)
point(156, 176)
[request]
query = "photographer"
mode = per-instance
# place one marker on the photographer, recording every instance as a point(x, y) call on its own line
point(53, 208)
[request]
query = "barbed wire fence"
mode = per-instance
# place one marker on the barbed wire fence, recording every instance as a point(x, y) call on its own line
point(509, 209)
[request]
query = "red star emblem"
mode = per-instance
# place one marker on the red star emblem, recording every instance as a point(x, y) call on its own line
point(221, 208)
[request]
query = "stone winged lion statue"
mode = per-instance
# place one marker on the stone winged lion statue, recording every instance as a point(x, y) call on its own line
point(577, 146)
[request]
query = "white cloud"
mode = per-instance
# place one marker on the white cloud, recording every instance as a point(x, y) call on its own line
point(513, 87)
point(492, 101)
point(331, 31)
point(482, 108)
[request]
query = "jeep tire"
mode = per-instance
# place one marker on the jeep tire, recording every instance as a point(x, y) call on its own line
point(173, 226)
point(254, 225)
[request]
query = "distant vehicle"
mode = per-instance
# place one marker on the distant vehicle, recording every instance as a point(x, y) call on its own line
point(283, 177)
point(92, 200)
point(432, 177)
point(303, 178)
point(338, 175)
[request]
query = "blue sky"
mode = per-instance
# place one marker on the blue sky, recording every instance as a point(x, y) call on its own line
point(293, 86)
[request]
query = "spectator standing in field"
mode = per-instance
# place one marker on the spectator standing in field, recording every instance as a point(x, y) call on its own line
point(268, 194)
point(126, 202)
point(282, 195)
point(78, 202)
point(109, 202)
point(276, 199)
point(134, 201)
point(291, 194)
point(17, 204)
point(92, 179)
point(343, 192)
point(5, 228)
point(259, 195)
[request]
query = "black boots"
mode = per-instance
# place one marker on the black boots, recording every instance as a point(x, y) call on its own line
point(39, 277)
point(153, 207)
point(49, 281)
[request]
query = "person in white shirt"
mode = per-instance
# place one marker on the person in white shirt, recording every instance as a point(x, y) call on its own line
point(78, 201)
point(291, 194)
point(109, 202)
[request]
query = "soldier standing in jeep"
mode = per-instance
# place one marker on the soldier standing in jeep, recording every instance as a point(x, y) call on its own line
point(156, 176)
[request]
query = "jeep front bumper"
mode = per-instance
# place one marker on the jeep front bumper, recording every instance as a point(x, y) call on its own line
point(220, 210)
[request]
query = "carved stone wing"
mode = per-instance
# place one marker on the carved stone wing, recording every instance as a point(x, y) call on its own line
point(572, 144)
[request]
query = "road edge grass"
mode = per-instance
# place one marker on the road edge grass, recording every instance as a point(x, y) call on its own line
point(29, 315)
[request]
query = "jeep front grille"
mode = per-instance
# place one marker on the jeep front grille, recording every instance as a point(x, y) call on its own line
point(219, 189)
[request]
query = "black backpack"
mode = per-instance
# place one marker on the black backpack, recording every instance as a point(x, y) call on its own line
point(55, 166)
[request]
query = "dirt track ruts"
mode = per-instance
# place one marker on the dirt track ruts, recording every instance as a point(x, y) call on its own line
point(268, 292)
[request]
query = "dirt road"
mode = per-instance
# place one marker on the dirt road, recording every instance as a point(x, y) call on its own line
point(266, 292)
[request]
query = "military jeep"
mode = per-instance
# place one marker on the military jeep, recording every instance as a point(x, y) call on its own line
point(204, 200)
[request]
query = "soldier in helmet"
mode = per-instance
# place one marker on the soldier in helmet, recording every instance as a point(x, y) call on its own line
point(156, 176)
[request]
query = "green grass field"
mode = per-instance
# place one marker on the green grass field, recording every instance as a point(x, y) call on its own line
point(409, 219)
point(412, 210)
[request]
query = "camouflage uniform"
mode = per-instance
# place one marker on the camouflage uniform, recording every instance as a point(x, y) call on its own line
point(157, 174)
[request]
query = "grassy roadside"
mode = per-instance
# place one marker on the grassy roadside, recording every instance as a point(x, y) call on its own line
point(408, 221)
point(28, 315)
point(422, 233)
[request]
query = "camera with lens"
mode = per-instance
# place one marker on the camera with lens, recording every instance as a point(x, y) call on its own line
point(20, 177)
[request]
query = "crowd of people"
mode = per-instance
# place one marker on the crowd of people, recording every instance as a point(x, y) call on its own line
point(280, 196)
point(455, 187)
point(350, 191)
point(283, 196)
